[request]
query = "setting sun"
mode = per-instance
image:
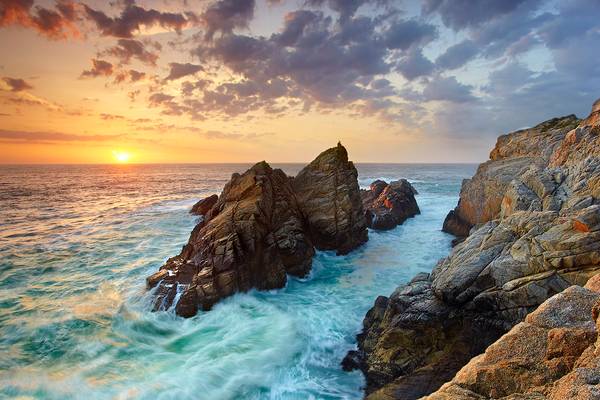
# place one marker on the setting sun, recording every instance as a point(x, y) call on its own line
point(121, 156)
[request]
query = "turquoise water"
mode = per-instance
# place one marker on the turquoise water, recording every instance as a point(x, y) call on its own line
point(76, 243)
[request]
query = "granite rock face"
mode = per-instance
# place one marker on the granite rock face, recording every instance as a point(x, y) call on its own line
point(204, 205)
point(552, 355)
point(389, 205)
point(329, 198)
point(481, 196)
point(531, 237)
point(263, 226)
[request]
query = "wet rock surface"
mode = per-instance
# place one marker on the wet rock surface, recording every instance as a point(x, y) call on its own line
point(389, 205)
point(263, 226)
point(533, 213)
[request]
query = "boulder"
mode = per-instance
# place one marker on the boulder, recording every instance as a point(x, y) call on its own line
point(203, 206)
point(329, 198)
point(541, 236)
point(261, 228)
point(389, 205)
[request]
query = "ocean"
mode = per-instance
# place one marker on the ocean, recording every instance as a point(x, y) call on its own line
point(77, 242)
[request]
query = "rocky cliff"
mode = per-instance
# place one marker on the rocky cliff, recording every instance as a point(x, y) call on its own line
point(263, 226)
point(534, 218)
point(481, 196)
point(551, 355)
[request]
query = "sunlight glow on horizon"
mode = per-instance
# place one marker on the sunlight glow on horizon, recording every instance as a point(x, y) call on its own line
point(121, 157)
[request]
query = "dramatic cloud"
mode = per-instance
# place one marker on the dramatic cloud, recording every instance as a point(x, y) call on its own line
point(133, 18)
point(127, 49)
point(450, 67)
point(54, 24)
point(313, 60)
point(16, 84)
point(99, 68)
point(180, 70)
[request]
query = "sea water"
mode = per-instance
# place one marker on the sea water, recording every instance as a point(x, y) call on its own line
point(77, 242)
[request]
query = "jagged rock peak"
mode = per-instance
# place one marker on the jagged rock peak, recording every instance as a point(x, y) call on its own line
point(329, 197)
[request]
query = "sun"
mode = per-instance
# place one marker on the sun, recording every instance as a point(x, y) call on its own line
point(121, 157)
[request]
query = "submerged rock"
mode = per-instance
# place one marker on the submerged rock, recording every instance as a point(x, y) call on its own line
point(204, 205)
point(329, 198)
point(261, 228)
point(389, 205)
point(531, 237)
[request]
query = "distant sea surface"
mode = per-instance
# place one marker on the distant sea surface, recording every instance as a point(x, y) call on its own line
point(77, 242)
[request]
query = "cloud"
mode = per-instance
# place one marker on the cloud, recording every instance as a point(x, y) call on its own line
point(54, 24)
point(346, 8)
point(457, 55)
point(447, 89)
point(160, 98)
point(312, 60)
point(111, 117)
point(16, 84)
point(99, 68)
point(178, 70)
point(414, 65)
point(460, 14)
point(225, 15)
point(129, 76)
point(408, 33)
point(45, 137)
point(133, 18)
point(127, 49)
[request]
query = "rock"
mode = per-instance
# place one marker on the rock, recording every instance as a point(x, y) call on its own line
point(413, 342)
point(551, 355)
point(455, 225)
point(329, 198)
point(203, 206)
point(261, 228)
point(532, 236)
point(481, 196)
point(389, 205)
point(251, 238)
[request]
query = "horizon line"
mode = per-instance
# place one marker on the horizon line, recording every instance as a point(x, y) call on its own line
point(230, 163)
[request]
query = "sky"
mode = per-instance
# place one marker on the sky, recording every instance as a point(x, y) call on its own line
point(204, 81)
